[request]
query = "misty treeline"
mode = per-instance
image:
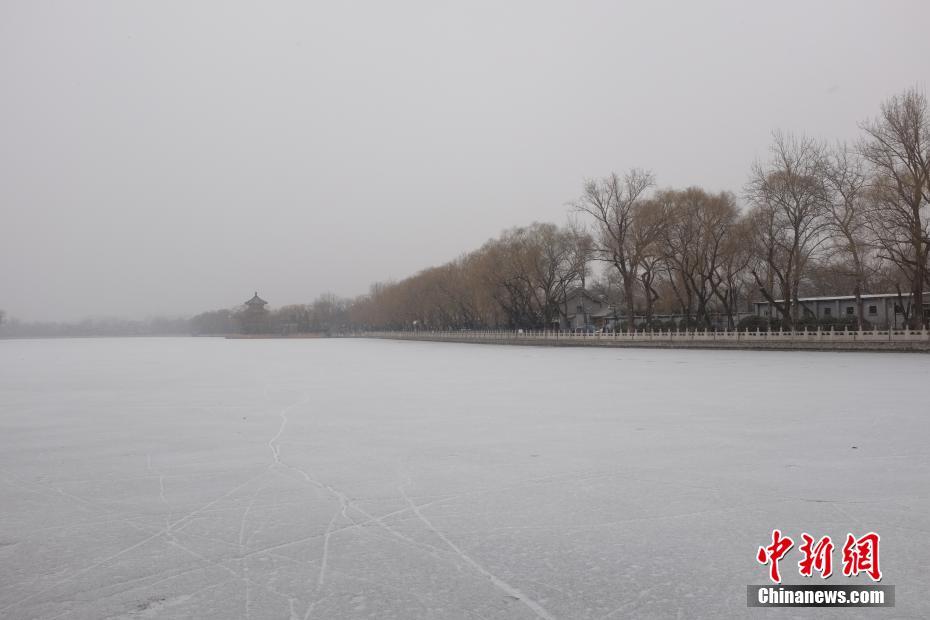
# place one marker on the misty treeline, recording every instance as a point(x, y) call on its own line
point(816, 219)
point(327, 314)
point(96, 327)
point(812, 219)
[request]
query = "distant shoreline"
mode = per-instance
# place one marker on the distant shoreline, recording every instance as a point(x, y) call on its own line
point(659, 341)
point(273, 336)
point(760, 344)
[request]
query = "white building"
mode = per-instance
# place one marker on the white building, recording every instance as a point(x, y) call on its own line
point(880, 310)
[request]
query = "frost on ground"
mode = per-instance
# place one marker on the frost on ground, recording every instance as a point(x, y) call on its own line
point(208, 478)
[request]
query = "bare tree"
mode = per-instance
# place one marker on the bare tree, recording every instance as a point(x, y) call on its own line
point(556, 268)
point(695, 230)
point(897, 147)
point(463, 294)
point(845, 182)
point(733, 279)
point(788, 218)
point(328, 312)
point(576, 269)
point(524, 268)
point(612, 204)
point(646, 249)
point(509, 266)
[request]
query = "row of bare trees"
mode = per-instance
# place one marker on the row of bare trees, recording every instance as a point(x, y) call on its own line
point(520, 279)
point(686, 246)
point(817, 218)
point(865, 209)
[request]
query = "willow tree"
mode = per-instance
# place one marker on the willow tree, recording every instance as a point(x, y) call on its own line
point(695, 238)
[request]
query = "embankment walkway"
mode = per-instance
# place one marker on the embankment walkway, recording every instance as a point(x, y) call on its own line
point(819, 340)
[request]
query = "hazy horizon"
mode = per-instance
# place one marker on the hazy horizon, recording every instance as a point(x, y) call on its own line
point(167, 158)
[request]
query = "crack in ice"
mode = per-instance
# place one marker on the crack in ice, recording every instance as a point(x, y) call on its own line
point(499, 583)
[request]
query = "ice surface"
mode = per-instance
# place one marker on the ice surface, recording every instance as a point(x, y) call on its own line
point(210, 478)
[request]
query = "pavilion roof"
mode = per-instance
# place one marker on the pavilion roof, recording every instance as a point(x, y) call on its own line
point(256, 301)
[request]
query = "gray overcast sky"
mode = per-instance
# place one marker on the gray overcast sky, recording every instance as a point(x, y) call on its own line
point(172, 157)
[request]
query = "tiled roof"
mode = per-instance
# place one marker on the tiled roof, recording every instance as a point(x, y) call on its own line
point(845, 297)
point(256, 301)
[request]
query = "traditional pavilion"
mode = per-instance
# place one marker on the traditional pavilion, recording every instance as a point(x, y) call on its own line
point(256, 303)
point(253, 319)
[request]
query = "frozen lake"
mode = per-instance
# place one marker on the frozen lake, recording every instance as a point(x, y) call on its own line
point(210, 478)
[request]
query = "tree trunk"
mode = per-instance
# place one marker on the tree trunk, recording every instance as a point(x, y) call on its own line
point(858, 294)
point(628, 287)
